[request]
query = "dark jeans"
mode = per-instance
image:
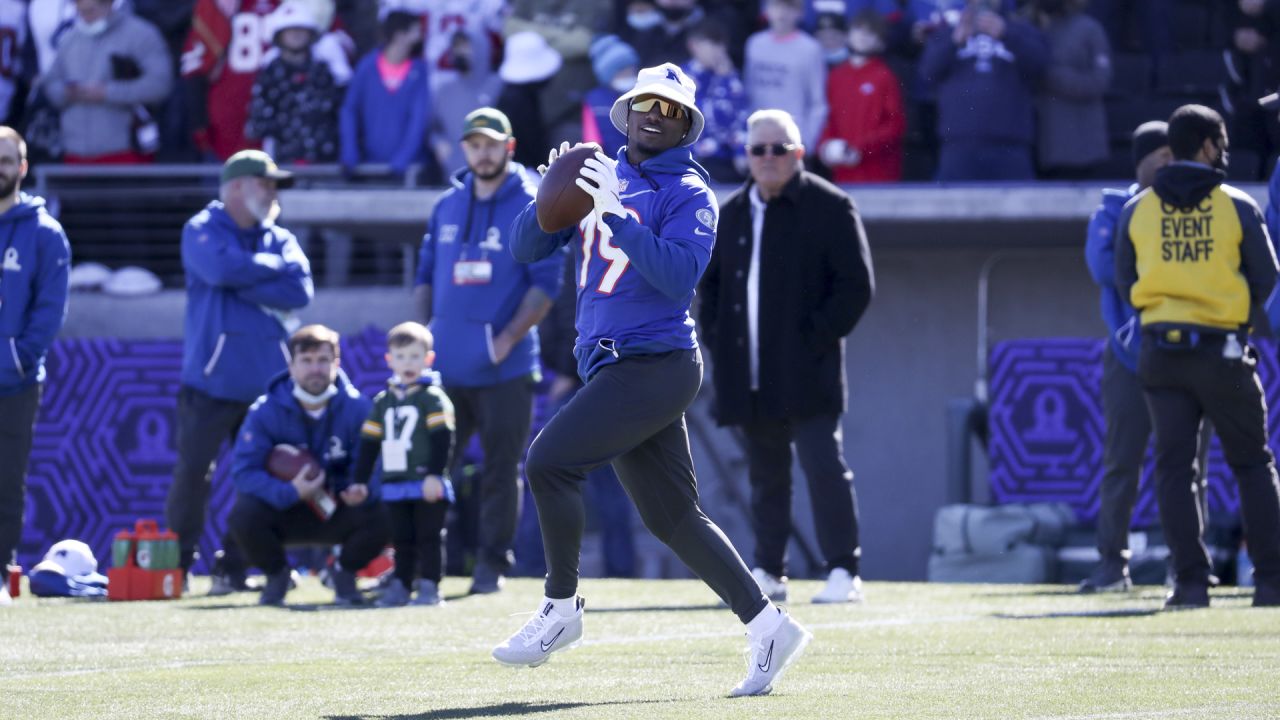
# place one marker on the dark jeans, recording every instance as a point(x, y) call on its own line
point(417, 533)
point(819, 443)
point(1183, 386)
point(502, 414)
point(204, 422)
point(1124, 407)
point(17, 429)
point(960, 160)
point(632, 413)
point(263, 531)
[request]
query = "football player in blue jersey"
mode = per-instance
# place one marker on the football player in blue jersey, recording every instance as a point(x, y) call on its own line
point(639, 255)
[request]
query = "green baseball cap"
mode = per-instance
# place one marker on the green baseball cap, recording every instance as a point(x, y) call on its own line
point(487, 120)
point(255, 163)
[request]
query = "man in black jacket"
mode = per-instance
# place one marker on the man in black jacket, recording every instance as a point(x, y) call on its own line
point(788, 279)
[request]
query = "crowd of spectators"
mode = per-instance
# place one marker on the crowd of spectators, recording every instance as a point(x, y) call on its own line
point(883, 90)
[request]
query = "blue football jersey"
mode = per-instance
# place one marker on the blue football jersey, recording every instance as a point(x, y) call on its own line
point(634, 289)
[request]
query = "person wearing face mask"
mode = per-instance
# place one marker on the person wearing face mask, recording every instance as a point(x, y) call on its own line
point(1193, 257)
point(109, 63)
point(245, 277)
point(785, 70)
point(863, 138)
point(616, 64)
point(722, 98)
point(1071, 120)
point(831, 31)
point(387, 109)
point(474, 85)
point(312, 406)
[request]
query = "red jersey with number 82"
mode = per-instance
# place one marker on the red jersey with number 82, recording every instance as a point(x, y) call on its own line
point(227, 43)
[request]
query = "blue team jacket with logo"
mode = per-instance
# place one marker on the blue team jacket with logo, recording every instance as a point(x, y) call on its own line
point(240, 284)
point(467, 316)
point(634, 290)
point(34, 255)
point(277, 419)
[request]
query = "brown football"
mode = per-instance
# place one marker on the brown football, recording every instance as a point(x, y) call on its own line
point(560, 202)
point(286, 461)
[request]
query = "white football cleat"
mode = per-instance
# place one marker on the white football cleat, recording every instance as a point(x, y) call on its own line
point(547, 632)
point(773, 587)
point(769, 655)
point(841, 587)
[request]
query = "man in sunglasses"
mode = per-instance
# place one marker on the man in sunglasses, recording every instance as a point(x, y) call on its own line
point(638, 256)
point(789, 278)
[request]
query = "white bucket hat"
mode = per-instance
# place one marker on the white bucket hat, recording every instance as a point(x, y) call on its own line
point(528, 58)
point(666, 81)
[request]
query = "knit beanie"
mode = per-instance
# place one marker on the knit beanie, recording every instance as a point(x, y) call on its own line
point(609, 54)
point(1149, 137)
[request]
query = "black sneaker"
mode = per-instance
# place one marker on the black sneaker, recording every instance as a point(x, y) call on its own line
point(222, 581)
point(486, 580)
point(1266, 595)
point(345, 592)
point(276, 587)
point(1107, 578)
point(1186, 596)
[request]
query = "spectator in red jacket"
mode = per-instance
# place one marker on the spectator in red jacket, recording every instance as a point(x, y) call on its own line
point(863, 138)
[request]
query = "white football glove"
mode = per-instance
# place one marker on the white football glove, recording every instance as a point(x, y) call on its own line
point(599, 179)
point(555, 153)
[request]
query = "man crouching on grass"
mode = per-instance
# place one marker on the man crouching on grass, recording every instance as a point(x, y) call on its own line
point(313, 406)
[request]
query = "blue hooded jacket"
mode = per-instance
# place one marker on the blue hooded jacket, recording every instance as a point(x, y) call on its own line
point(34, 260)
point(466, 317)
point(241, 285)
point(637, 301)
point(277, 419)
point(381, 126)
point(1100, 254)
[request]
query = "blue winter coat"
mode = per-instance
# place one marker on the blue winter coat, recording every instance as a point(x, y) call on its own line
point(241, 284)
point(986, 89)
point(34, 259)
point(379, 126)
point(466, 317)
point(277, 419)
point(1100, 254)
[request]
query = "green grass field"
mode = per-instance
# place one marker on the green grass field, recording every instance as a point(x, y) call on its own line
point(653, 649)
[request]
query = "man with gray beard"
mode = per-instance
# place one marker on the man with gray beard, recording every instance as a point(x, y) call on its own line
point(245, 278)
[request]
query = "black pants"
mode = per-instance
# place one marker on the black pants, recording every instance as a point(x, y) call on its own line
point(819, 443)
point(1183, 386)
point(263, 531)
point(204, 422)
point(502, 414)
point(1124, 407)
point(17, 429)
point(417, 533)
point(632, 413)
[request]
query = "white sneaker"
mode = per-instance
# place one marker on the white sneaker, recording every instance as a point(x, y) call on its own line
point(841, 587)
point(773, 587)
point(5, 597)
point(769, 655)
point(547, 632)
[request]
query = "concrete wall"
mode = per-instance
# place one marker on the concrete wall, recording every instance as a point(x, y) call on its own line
point(915, 349)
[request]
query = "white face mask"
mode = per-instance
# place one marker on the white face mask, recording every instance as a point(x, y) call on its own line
point(623, 84)
point(305, 397)
point(95, 28)
point(864, 42)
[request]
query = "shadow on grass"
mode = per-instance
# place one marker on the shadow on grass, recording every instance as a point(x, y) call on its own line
point(498, 710)
point(1117, 613)
point(656, 608)
point(1054, 592)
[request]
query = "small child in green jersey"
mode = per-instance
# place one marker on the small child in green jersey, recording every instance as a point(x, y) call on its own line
point(411, 431)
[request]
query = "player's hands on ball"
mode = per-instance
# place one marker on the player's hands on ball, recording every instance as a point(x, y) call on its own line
point(551, 157)
point(306, 486)
point(599, 179)
point(432, 488)
point(355, 494)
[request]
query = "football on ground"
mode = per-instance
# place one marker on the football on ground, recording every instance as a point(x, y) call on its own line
point(560, 202)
